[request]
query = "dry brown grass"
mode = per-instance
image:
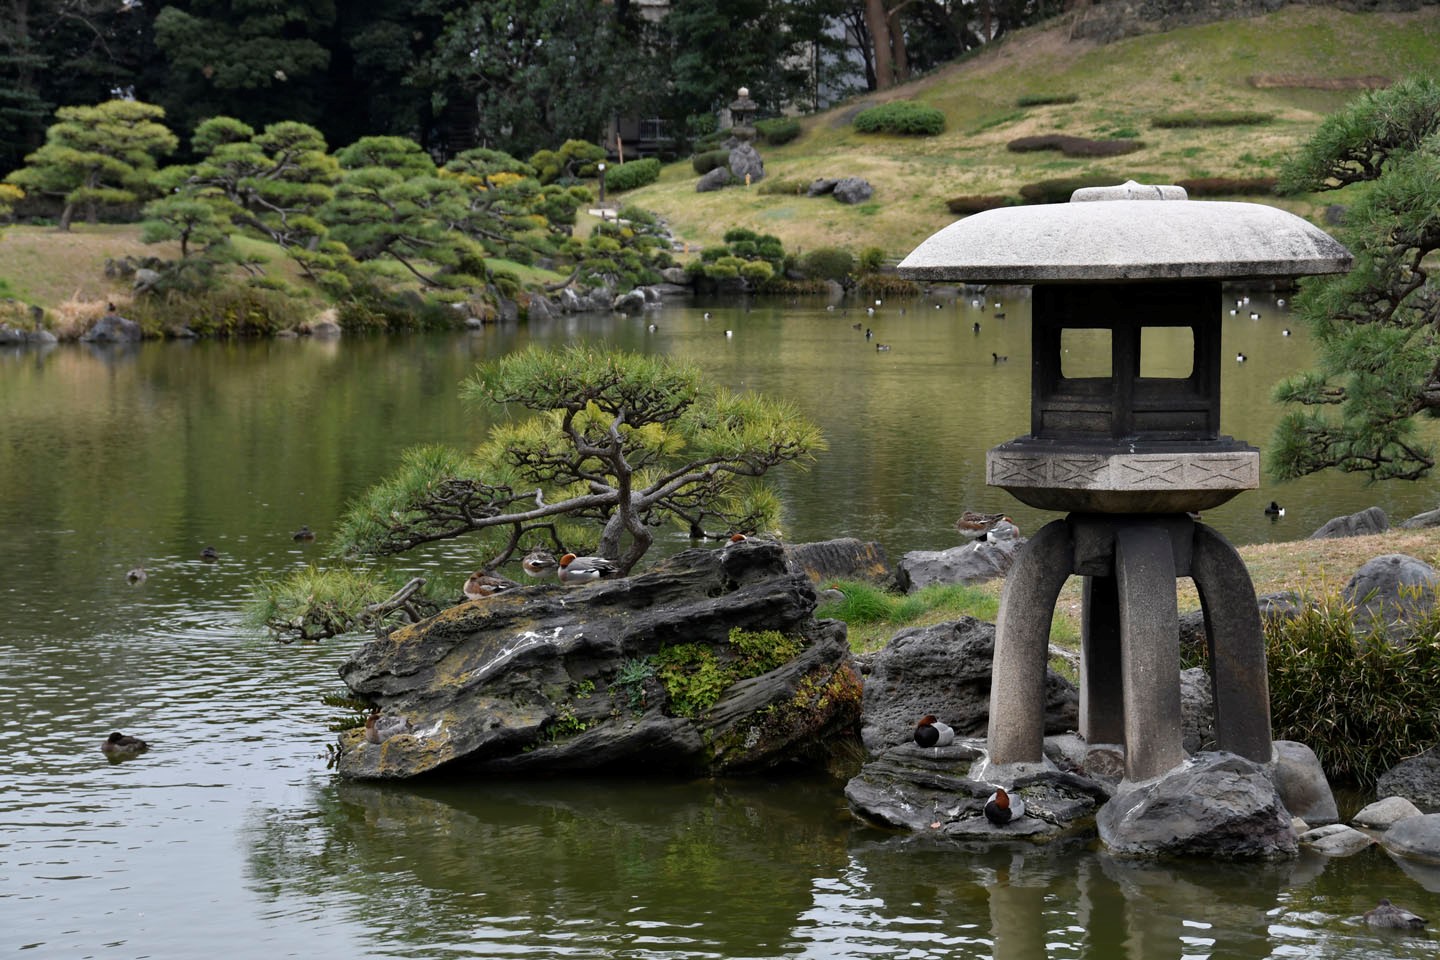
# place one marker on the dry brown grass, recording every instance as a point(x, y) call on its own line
point(46, 266)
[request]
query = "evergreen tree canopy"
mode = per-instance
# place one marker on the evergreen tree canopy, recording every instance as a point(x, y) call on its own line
point(1377, 327)
point(97, 156)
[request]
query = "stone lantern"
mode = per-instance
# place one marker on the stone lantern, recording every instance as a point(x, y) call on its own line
point(1129, 455)
point(742, 108)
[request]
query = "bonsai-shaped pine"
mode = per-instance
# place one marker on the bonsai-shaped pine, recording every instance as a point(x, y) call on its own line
point(1378, 362)
point(618, 444)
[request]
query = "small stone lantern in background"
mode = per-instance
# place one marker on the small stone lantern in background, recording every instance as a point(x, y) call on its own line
point(1130, 455)
point(742, 108)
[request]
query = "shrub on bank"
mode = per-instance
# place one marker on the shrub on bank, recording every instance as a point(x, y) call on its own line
point(703, 163)
point(977, 204)
point(628, 176)
point(827, 263)
point(1229, 186)
point(1217, 118)
point(1045, 99)
point(905, 117)
point(777, 130)
point(1073, 146)
point(1059, 189)
point(1361, 703)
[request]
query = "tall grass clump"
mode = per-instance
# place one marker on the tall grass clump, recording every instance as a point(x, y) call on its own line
point(873, 615)
point(1214, 118)
point(1045, 99)
point(1360, 701)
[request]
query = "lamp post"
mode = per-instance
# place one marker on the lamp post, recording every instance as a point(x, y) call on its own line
point(601, 168)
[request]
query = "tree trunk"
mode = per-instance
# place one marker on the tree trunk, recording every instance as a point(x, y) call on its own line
point(877, 19)
point(897, 45)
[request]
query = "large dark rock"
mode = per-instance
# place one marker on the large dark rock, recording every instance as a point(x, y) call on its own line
point(845, 558)
point(1367, 521)
point(1216, 805)
point(551, 678)
point(716, 179)
point(745, 163)
point(113, 328)
point(969, 563)
point(1391, 591)
point(1417, 779)
point(852, 190)
point(945, 670)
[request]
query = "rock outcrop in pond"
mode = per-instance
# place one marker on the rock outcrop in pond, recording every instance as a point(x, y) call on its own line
point(642, 671)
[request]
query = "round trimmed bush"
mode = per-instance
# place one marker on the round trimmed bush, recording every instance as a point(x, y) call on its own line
point(636, 173)
point(777, 130)
point(709, 160)
point(828, 263)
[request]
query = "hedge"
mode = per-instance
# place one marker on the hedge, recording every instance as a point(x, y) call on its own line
point(709, 160)
point(901, 116)
point(628, 176)
point(777, 130)
point(1219, 118)
point(1074, 146)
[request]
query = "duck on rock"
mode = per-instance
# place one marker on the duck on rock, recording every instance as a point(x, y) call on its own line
point(482, 585)
point(539, 563)
point(930, 732)
point(1001, 808)
point(575, 569)
point(378, 729)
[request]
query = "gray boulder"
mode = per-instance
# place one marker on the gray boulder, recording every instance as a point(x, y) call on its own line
point(113, 328)
point(853, 190)
point(844, 558)
point(676, 275)
point(539, 308)
point(1336, 840)
point(745, 161)
point(1384, 814)
point(716, 179)
point(945, 669)
point(969, 563)
point(551, 678)
point(1421, 521)
point(1217, 805)
point(1416, 779)
point(1301, 783)
point(821, 187)
point(1367, 521)
point(1389, 592)
point(1414, 838)
point(632, 302)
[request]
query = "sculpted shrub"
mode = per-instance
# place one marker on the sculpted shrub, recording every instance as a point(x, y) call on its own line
point(636, 173)
point(904, 117)
point(777, 130)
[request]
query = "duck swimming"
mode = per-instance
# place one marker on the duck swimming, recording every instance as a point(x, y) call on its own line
point(209, 554)
point(575, 569)
point(1274, 510)
point(118, 746)
point(482, 585)
point(1001, 808)
point(930, 732)
point(304, 533)
point(378, 729)
point(1386, 914)
point(136, 575)
point(539, 563)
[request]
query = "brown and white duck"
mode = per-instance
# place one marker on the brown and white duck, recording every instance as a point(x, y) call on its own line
point(930, 732)
point(482, 585)
point(1001, 808)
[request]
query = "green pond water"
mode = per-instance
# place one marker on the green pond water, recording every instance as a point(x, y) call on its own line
point(231, 836)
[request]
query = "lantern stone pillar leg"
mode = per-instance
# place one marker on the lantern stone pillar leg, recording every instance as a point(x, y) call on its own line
point(1022, 646)
point(1238, 677)
point(1102, 700)
point(1149, 650)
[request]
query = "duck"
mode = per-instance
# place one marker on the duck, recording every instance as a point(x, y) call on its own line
point(482, 585)
point(136, 575)
point(378, 729)
point(1240, 358)
point(1386, 914)
point(976, 327)
point(856, 326)
point(996, 358)
point(882, 346)
point(707, 314)
point(119, 746)
point(729, 333)
point(575, 569)
point(1254, 315)
point(1001, 808)
point(930, 732)
point(999, 314)
point(209, 554)
point(539, 563)
point(1002, 529)
point(1285, 332)
point(869, 334)
point(304, 533)
point(975, 526)
point(652, 328)
point(1274, 510)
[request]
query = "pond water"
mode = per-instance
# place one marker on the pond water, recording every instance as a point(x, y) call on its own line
point(231, 834)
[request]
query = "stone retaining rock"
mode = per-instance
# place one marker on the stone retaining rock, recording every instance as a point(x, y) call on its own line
point(1384, 814)
point(1367, 521)
point(1216, 805)
point(1416, 838)
point(1389, 592)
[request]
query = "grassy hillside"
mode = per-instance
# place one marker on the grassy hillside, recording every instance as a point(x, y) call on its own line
point(1121, 88)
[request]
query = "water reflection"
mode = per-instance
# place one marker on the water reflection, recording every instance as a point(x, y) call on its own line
point(230, 831)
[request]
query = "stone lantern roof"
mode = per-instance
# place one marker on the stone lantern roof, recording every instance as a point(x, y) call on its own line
point(1151, 236)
